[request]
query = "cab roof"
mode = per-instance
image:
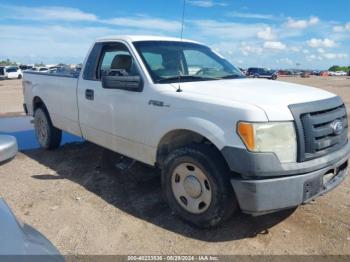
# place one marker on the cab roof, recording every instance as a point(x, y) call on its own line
point(135, 38)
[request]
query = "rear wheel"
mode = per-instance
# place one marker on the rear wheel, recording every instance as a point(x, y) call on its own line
point(196, 184)
point(48, 136)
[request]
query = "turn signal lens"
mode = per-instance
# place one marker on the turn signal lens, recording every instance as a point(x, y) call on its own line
point(246, 132)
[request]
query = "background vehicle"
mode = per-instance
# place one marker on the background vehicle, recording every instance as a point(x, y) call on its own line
point(40, 69)
point(244, 71)
point(8, 147)
point(336, 73)
point(221, 140)
point(305, 74)
point(315, 73)
point(10, 72)
point(16, 238)
point(261, 73)
point(21, 241)
point(283, 73)
point(54, 68)
point(25, 67)
point(340, 73)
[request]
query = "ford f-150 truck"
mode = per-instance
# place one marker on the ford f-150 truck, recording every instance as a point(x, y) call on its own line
point(223, 141)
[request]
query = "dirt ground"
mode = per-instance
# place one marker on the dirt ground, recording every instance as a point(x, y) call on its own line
point(85, 206)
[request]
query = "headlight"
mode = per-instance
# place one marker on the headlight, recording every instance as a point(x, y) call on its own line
point(276, 137)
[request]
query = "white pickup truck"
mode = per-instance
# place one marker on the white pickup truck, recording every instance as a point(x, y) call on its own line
point(223, 141)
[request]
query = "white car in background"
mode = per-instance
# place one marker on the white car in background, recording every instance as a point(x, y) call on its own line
point(337, 73)
point(10, 72)
point(341, 73)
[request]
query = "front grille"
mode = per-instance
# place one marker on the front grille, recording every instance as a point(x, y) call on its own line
point(314, 124)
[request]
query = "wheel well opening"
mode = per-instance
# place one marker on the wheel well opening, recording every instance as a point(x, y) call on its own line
point(179, 138)
point(37, 103)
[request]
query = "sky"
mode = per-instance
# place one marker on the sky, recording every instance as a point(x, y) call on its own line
point(275, 34)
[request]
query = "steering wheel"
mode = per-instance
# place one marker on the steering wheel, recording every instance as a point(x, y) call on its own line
point(203, 71)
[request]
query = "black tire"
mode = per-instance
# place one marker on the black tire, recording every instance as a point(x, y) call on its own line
point(48, 136)
point(19, 77)
point(223, 201)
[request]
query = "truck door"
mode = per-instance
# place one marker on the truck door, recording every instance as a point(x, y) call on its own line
point(111, 117)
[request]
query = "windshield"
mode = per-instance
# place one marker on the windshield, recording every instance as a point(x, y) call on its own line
point(171, 61)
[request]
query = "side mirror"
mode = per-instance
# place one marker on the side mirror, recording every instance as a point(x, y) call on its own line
point(129, 83)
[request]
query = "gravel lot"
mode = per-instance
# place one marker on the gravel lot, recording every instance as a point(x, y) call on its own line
point(11, 97)
point(83, 205)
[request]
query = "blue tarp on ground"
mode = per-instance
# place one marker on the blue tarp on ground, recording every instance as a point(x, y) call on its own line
point(21, 128)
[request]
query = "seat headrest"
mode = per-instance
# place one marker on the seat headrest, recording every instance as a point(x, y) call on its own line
point(171, 61)
point(122, 62)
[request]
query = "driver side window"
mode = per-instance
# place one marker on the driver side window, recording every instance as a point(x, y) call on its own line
point(116, 60)
point(199, 61)
point(262, 71)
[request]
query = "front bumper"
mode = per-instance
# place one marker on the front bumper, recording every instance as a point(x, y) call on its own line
point(260, 165)
point(261, 193)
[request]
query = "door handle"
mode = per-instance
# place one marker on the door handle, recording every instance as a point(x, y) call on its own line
point(89, 94)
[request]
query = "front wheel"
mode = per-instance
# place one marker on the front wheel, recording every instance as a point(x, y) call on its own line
point(48, 136)
point(19, 77)
point(196, 184)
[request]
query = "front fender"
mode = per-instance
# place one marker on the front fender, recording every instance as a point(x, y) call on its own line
point(210, 130)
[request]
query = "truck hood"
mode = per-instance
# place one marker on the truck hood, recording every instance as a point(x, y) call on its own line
point(271, 96)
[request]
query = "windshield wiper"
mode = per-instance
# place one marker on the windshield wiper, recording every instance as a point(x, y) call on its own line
point(233, 76)
point(185, 78)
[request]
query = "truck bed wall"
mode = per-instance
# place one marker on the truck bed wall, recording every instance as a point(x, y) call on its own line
point(58, 92)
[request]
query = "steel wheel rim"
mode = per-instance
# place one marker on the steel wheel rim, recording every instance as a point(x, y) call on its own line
point(41, 129)
point(191, 188)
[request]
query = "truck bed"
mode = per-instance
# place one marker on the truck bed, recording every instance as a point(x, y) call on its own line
point(58, 91)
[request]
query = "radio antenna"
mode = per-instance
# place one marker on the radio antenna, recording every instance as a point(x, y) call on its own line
point(183, 18)
point(181, 35)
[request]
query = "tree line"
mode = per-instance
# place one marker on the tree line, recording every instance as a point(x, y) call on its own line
point(339, 68)
point(8, 62)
